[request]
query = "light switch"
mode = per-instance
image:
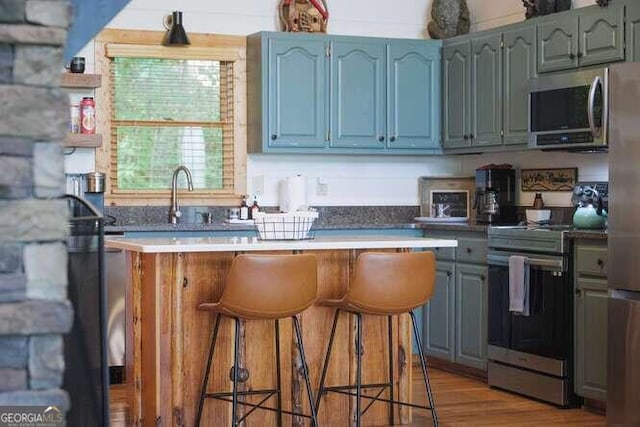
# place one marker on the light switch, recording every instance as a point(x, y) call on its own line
point(322, 187)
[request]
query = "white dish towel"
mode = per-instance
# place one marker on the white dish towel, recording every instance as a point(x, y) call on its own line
point(518, 285)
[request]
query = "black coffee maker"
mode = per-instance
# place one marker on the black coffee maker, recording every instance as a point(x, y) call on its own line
point(495, 200)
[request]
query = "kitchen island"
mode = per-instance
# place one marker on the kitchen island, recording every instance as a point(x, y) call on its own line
point(167, 337)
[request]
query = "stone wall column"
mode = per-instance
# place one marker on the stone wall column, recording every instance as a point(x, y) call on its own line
point(34, 309)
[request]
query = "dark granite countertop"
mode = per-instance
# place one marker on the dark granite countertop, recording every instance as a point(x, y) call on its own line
point(364, 225)
point(453, 226)
point(223, 226)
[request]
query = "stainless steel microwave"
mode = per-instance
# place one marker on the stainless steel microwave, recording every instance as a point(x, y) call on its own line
point(569, 111)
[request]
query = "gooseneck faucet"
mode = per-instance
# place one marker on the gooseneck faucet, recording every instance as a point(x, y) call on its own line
point(174, 211)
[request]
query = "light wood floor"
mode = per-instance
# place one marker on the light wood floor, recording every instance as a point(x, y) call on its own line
point(460, 401)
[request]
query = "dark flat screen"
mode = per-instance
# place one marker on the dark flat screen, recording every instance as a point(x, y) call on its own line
point(561, 109)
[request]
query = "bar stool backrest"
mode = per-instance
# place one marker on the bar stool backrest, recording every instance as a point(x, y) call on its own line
point(270, 286)
point(390, 283)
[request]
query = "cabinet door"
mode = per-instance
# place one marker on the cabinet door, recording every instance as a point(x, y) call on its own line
point(358, 101)
point(471, 315)
point(633, 31)
point(558, 44)
point(486, 90)
point(601, 35)
point(438, 315)
point(413, 86)
point(456, 92)
point(519, 65)
point(591, 338)
point(297, 93)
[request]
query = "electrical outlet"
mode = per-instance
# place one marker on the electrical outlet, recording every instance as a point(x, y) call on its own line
point(322, 187)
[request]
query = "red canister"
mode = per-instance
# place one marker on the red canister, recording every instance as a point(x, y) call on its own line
point(87, 115)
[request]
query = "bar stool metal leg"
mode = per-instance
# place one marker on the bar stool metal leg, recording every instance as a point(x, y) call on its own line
point(305, 371)
point(390, 336)
point(424, 369)
point(236, 369)
point(358, 366)
point(278, 382)
point(205, 382)
point(326, 359)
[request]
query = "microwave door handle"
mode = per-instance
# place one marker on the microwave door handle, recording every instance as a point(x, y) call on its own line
point(590, 107)
point(605, 106)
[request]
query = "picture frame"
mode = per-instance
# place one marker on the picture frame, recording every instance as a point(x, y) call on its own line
point(456, 203)
point(556, 179)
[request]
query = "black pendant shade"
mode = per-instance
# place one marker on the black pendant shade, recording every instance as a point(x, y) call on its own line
point(176, 35)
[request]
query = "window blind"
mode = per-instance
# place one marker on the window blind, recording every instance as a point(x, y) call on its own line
point(171, 112)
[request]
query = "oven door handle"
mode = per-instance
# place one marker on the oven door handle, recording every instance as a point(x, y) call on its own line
point(541, 262)
point(536, 262)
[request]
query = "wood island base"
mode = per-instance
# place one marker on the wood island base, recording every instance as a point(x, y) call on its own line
point(167, 340)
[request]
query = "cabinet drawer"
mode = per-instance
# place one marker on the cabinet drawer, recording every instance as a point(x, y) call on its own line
point(445, 254)
point(442, 254)
point(591, 259)
point(472, 250)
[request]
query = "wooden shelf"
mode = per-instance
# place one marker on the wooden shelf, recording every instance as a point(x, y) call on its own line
point(81, 80)
point(83, 140)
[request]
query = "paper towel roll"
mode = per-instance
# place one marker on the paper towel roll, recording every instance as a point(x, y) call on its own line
point(293, 194)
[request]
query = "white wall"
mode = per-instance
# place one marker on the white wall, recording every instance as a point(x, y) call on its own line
point(350, 180)
point(487, 14)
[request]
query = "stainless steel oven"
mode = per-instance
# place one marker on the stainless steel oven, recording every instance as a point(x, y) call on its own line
point(531, 354)
point(569, 111)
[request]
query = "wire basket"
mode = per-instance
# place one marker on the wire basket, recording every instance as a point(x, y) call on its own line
point(285, 226)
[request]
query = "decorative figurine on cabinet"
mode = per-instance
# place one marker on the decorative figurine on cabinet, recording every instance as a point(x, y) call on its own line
point(449, 18)
point(545, 7)
point(304, 15)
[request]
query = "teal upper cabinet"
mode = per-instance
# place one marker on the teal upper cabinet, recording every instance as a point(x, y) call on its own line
point(486, 90)
point(558, 43)
point(297, 93)
point(311, 93)
point(485, 93)
point(633, 31)
point(456, 93)
point(601, 35)
point(519, 65)
point(588, 36)
point(413, 95)
point(358, 102)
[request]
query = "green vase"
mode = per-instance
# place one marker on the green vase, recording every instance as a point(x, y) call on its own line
point(587, 217)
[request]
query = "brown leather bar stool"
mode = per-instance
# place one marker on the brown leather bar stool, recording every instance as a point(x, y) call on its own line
point(383, 284)
point(263, 287)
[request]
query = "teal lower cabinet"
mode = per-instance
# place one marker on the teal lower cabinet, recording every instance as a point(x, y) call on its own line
point(438, 315)
point(455, 319)
point(590, 319)
point(471, 315)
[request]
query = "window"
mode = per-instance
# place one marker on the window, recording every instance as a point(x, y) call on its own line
point(167, 107)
